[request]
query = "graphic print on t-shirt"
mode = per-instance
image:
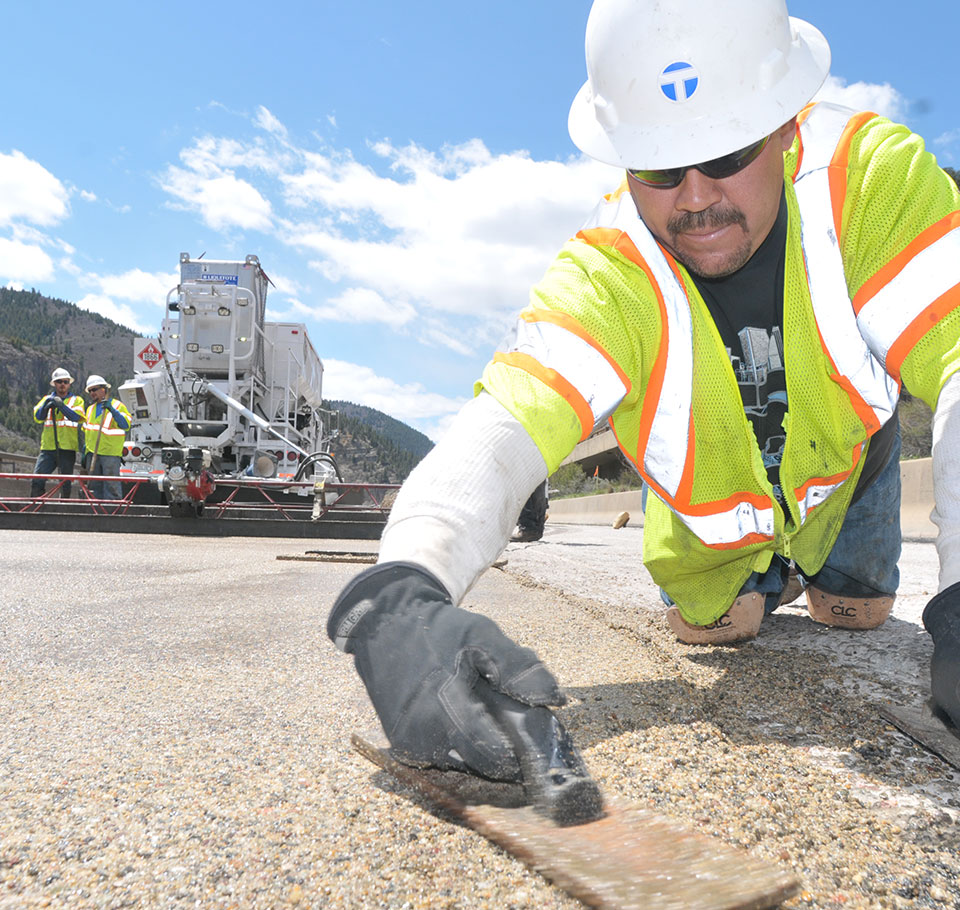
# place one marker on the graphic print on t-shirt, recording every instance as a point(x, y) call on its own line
point(763, 387)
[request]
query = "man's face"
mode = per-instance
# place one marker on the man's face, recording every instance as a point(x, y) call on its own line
point(714, 226)
point(61, 387)
point(98, 393)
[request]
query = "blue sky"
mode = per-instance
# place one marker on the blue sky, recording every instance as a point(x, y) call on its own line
point(403, 170)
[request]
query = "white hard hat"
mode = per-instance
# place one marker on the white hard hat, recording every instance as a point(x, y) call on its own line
point(95, 380)
point(60, 373)
point(676, 82)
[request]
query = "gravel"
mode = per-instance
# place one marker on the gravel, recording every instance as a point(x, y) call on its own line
point(175, 732)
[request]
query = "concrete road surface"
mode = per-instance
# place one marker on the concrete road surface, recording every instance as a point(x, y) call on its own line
point(174, 732)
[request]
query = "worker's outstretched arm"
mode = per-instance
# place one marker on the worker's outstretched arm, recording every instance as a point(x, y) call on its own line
point(457, 508)
point(942, 615)
point(428, 665)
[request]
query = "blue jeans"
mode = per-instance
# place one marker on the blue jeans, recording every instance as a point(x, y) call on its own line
point(50, 461)
point(106, 466)
point(863, 561)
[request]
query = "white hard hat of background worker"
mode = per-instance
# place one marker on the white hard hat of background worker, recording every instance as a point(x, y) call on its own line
point(679, 82)
point(60, 375)
point(93, 381)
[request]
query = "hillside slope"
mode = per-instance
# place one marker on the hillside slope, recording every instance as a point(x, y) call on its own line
point(373, 447)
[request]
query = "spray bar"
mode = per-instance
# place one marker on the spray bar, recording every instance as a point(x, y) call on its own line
point(246, 412)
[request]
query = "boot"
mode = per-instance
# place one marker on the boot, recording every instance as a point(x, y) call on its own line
point(740, 623)
point(848, 612)
point(792, 590)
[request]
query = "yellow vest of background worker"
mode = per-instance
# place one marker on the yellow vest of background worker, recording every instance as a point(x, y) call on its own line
point(101, 433)
point(66, 435)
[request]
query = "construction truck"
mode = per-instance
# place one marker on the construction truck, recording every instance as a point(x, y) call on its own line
point(221, 392)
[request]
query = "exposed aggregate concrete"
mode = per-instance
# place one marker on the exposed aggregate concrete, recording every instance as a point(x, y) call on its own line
point(175, 732)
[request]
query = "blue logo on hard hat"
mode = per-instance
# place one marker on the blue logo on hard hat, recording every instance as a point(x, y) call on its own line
point(679, 81)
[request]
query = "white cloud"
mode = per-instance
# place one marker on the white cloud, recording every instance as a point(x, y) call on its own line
point(463, 231)
point(457, 234)
point(223, 201)
point(266, 121)
point(213, 157)
point(365, 305)
point(864, 96)
point(411, 403)
point(135, 285)
point(28, 191)
point(295, 312)
point(106, 306)
point(283, 284)
point(87, 196)
point(945, 144)
point(24, 262)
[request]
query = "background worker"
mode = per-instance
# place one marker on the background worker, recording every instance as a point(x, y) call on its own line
point(742, 311)
point(105, 428)
point(61, 415)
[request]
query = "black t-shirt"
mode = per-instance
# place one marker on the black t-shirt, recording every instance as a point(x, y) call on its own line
point(747, 308)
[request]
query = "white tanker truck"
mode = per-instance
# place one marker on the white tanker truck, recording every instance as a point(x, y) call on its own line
point(221, 392)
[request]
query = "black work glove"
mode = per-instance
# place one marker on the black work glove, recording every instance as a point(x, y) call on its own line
point(941, 618)
point(428, 666)
point(57, 400)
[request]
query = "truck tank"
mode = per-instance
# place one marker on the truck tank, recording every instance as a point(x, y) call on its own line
point(221, 380)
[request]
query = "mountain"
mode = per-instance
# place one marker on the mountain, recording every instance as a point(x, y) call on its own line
point(404, 437)
point(39, 333)
point(372, 447)
point(79, 340)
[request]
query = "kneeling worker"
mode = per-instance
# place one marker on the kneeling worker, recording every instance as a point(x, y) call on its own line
point(742, 311)
point(105, 430)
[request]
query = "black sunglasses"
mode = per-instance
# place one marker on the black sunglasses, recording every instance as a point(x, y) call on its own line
point(715, 169)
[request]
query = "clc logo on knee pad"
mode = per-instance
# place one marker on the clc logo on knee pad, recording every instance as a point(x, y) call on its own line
point(841, 610)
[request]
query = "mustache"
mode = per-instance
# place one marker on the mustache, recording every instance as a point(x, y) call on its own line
point(712, 218)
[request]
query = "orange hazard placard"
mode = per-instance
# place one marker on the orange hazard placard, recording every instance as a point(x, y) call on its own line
point(150, 355)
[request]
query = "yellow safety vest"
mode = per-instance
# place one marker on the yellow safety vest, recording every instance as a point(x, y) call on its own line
point(66, 437)
point(105, 429)
point(617, 331)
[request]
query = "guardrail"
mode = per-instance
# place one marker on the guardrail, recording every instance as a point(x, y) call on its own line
point(16, 463)
point(916, 503)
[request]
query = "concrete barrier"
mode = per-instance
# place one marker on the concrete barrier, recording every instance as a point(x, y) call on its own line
point(916, 478)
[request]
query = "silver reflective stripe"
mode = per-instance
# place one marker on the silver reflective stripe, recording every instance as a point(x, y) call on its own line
point(730, 526)
point(832, 307)
point(581, 364)
point(815, 495)
point(665, 451)
point(109, 427)
point(821, 133)
point(929, 275)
